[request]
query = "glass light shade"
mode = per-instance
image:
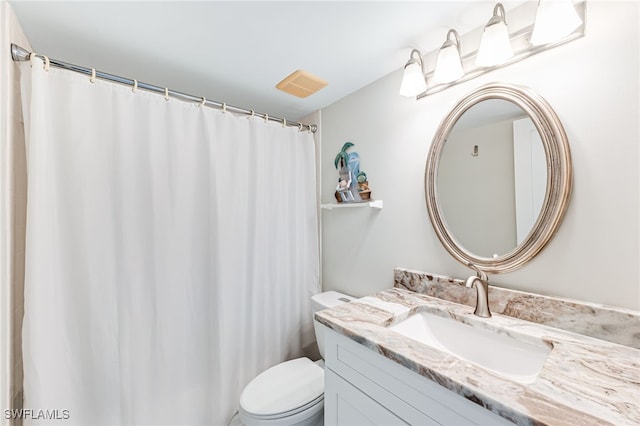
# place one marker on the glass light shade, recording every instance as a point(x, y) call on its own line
point(555, 20)
point(413, 81)
point(448, 65)
point(495, 46)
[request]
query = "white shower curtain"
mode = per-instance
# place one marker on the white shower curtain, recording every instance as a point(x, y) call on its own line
point(171, 252)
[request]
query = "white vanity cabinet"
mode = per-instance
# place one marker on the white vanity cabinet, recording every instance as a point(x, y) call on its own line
point(363, 387)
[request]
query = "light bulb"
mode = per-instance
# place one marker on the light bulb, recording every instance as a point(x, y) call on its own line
point(555, 20)
point(495, 47)
point(448, 65)
point(413, 82)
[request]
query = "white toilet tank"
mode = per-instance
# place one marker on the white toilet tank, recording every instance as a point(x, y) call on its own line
point(321, 301)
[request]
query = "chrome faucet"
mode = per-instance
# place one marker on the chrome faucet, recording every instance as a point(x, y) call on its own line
point(482, 286)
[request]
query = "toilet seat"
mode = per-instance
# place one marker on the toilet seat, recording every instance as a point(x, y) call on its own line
point(285, 390)
point(305, 411)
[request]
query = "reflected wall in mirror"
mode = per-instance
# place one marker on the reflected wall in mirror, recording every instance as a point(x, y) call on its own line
point(494, 161)
point(498, 177)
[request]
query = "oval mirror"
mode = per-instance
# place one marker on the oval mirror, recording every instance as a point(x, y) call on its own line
point(498, 177)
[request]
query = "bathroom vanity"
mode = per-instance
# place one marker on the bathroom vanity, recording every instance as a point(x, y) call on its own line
point(363, 387)
point(375, 374)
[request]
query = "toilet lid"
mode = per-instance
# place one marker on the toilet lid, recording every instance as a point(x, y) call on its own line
point(284, 387)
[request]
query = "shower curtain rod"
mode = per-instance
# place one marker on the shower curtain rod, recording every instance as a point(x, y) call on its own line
point(20, 54)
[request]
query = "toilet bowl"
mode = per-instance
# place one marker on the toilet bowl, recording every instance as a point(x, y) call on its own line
point(292, 392)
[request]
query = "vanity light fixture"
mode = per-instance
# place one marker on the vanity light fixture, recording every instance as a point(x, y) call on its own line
point(499, 45)
point(555, 20)
point(495, 46)
point(449, 64)
point(413, 80)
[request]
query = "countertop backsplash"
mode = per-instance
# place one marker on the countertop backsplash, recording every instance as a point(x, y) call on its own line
point(616, 325)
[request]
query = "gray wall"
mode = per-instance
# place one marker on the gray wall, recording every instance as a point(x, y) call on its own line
point(592, 84)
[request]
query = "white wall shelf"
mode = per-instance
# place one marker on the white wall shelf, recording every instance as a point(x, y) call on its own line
point(374, 204)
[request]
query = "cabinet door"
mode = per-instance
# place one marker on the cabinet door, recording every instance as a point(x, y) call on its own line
point(346, 405)
point(410, 397)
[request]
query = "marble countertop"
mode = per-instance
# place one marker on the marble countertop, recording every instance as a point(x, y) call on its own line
point(584, 381)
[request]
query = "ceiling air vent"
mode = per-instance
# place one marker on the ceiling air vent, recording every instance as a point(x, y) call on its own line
point(301, 84)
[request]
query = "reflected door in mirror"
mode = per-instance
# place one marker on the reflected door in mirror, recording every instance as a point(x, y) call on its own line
point(530, 175)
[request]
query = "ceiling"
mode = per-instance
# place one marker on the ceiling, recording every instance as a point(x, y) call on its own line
point(237, 51)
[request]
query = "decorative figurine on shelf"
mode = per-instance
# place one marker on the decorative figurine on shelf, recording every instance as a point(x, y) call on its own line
point(352, 183)
point(363, 186)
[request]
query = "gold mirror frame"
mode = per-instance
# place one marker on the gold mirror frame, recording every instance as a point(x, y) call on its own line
point(559, 177)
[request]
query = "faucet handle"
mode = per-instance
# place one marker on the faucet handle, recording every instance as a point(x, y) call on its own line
point(481, 282)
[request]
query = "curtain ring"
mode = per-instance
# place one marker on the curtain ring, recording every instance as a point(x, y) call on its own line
point(135, 85)
point(166, 93)
point(224, 108)
point(45, 60)
point(204, 100)
point(284, 122)
point(266, 118)
point(253, 114)
point(93, 75)
point(299, 127)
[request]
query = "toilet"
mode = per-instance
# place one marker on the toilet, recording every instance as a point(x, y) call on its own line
point(292, 392)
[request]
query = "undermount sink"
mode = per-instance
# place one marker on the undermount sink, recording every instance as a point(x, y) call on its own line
point(509, 357)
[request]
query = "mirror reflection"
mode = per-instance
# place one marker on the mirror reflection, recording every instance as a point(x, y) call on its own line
point(492, 178)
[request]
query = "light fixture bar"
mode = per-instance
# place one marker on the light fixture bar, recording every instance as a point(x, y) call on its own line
point(522, 49)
